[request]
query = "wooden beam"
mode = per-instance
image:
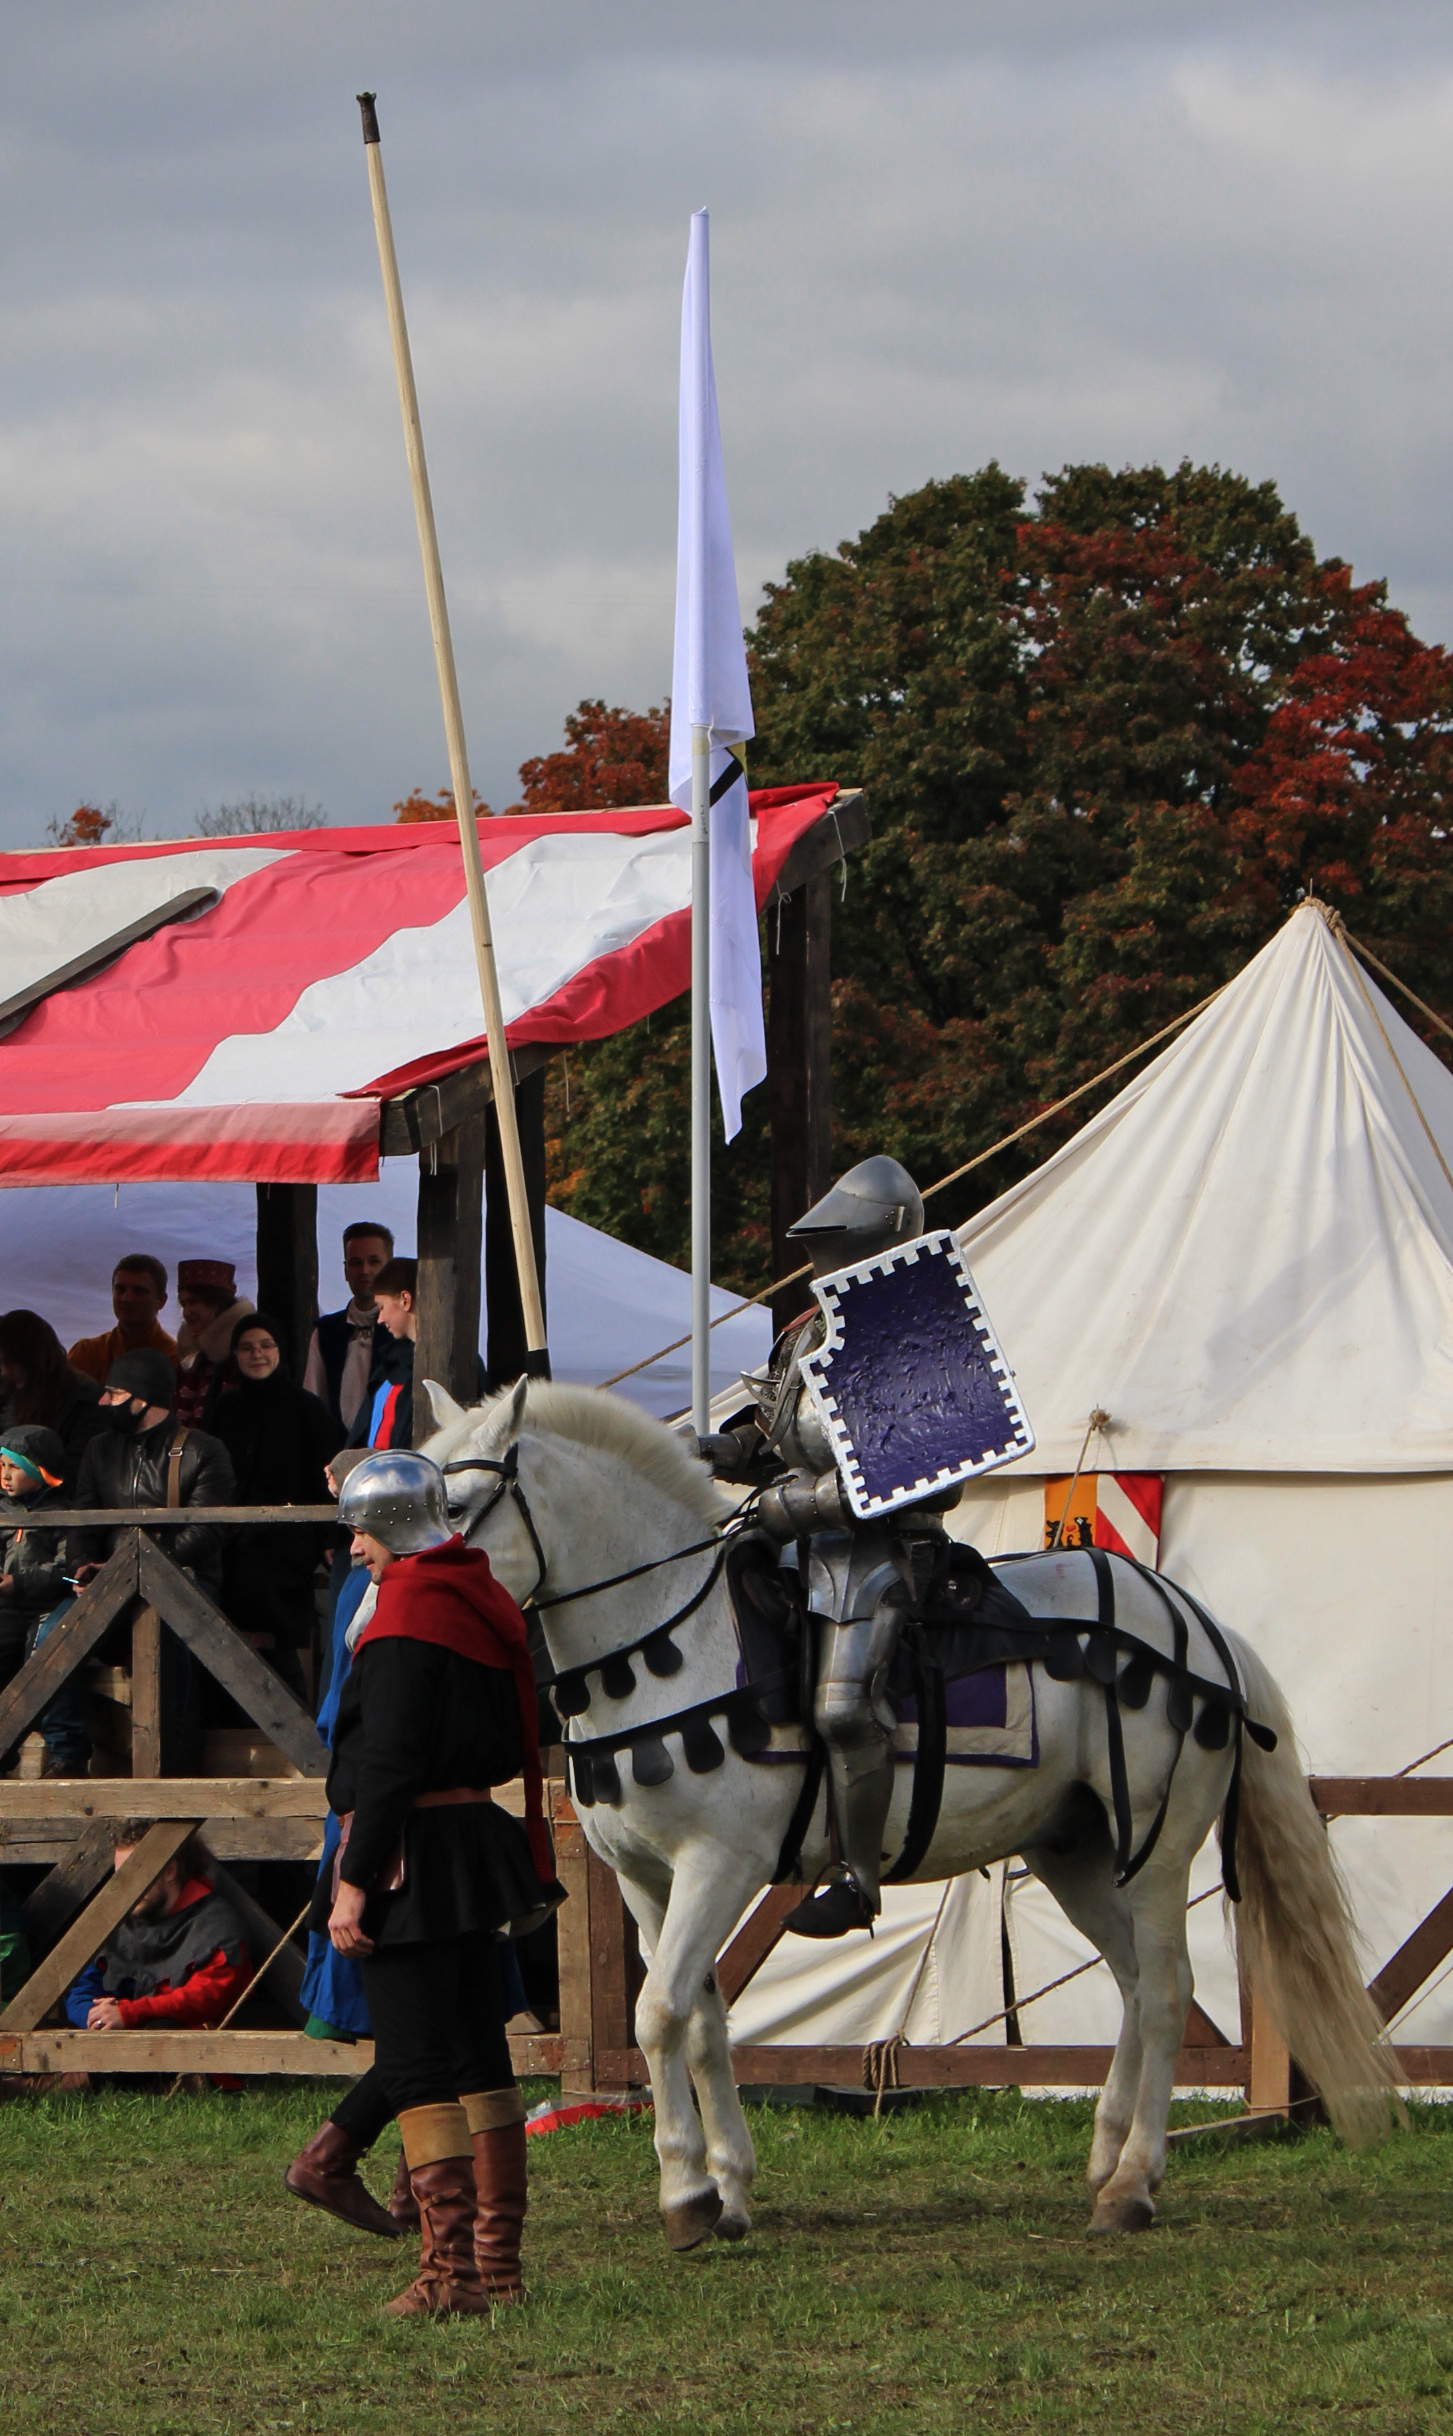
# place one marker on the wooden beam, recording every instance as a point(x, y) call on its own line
point(425, 1114)
point(946, 2067)
point(59, 1896)
point(1383, 1797)
point(86, 1936)
point(759, 1935)
point(287, 1263)
point(1420, 1954)
point(241, 2051)
point(225, 1654)
point(42, 1675)
point(799, 1069)
point(178, 1518)
point(146, 1693)
point(17, 1006)
point(505, 1355)
point(450, 1220)
point(51, 1843)
point(165, 1797)
point(827, 844)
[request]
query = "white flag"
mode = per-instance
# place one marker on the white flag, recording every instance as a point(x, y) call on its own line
point(709, 689)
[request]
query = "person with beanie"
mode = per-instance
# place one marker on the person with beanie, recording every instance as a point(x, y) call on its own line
point(211, 1309)
point(32, 1476)
point(439, 1706)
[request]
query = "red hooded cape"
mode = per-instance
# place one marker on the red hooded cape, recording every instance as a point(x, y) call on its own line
point(449, 1597)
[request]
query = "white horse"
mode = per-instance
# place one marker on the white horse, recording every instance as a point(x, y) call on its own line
point(566, 1488)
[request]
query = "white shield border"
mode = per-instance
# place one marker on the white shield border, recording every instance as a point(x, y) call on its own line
point(816, 1364)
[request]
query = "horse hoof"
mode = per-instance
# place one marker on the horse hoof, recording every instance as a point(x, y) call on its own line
point(733, 2224)
point(1121, 2215)
point(691, 2220)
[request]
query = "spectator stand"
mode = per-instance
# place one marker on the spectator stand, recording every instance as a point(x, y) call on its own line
point(121, 948)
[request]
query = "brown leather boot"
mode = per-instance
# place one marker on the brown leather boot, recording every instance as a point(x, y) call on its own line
point(326, 2173)
point(403, 2207)
point(496, 2119)
point(443, 2184)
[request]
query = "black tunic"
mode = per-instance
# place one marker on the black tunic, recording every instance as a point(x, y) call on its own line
point(414, 1718)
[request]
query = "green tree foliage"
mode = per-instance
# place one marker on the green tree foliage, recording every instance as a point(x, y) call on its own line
point(1107, 741)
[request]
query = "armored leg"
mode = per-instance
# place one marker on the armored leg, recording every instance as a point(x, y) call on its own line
point(858, 1583)
point(852, 1715)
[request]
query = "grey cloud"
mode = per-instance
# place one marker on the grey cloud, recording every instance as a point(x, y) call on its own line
point(1039, 232)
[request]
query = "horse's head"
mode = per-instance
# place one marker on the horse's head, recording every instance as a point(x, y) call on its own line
point(562, 1486)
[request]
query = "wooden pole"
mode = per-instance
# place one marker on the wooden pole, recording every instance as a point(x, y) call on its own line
point(537, 1355)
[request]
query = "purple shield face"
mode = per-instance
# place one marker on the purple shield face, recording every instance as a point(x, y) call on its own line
point(911, 1385)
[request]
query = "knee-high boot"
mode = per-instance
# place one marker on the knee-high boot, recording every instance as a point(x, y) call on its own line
point(441, 2172)
point(496, 2119)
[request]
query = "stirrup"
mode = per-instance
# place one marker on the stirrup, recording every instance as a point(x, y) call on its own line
point(831, 1912)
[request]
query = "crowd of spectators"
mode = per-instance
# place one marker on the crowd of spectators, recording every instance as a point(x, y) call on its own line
point(212, 1417)
point(132, 1417)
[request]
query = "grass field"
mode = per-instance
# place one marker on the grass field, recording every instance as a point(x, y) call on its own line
point(929, 2272)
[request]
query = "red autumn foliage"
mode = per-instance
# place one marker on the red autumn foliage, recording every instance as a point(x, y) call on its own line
point(610, 759)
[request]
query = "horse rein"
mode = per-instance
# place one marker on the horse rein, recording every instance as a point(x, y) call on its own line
point(508, 1483)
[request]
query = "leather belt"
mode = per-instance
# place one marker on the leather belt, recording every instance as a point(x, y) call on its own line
point(455, 1793)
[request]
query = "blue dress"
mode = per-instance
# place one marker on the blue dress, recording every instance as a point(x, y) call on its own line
point(332, 1986)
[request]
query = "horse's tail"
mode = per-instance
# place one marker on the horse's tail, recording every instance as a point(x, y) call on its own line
point(1295, 1930)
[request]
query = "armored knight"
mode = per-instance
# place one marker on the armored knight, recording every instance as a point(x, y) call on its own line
point(861, 1576)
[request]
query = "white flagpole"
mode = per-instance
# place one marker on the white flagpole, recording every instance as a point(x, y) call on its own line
point(700, 1076)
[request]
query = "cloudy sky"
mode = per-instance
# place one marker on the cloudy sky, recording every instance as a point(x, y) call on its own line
point(1040, 230)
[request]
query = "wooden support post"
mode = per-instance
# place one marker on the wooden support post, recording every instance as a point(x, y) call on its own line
point(505, 1358)
point(146, 1751)
point(287, 1263)
point(1269, 2081)
point(799, 1068)
point(610, 2005)
point(451, 1189)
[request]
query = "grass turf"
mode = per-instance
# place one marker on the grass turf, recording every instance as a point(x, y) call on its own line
point(928, 2272)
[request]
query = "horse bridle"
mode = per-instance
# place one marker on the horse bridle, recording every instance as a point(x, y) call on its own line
point(506, 1470)
point(507, 1484)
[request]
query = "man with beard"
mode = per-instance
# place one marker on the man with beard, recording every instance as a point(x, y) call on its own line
point(179, 1959)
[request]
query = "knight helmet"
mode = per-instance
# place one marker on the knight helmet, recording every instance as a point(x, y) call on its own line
point(399, 1499)
point(874, 1206)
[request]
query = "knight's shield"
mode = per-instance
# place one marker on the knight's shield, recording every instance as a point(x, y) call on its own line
point(910, 1385)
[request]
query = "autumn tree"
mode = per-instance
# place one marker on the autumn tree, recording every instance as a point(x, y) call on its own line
point(1108, 739)
point(610, 759)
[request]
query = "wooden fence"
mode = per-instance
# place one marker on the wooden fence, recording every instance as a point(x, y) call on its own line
point(68, 1824)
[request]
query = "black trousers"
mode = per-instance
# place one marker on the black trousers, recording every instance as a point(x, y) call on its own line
point(438, 2021)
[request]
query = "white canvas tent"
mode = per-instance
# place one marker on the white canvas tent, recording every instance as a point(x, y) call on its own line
point(1246, 1260)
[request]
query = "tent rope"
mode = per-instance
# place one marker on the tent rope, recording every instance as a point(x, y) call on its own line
point(980, 1158)
point(1340, 933)
point(880, 2056)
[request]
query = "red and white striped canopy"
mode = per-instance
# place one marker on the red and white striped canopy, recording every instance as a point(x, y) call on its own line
point(255, 1038)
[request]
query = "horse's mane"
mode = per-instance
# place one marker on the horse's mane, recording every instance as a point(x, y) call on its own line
point(593, 1417)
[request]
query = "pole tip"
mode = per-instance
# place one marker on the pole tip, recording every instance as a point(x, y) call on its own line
point(370, 117)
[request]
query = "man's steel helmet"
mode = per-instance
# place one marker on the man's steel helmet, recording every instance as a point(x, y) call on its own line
point(399, 1499)
point(875, 1205)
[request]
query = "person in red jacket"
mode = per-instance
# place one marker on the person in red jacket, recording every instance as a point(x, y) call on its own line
point(179, 1959)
